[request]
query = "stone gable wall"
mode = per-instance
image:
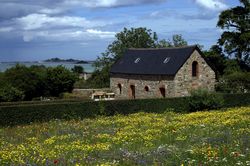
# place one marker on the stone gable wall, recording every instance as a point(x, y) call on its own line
point(185, 82)
point(179, 85)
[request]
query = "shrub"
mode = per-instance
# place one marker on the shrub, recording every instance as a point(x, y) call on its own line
point(238, 82)
point(27, 112)
point(9, 94)
point(203, 100)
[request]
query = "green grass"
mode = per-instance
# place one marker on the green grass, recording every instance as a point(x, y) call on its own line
point(201, 138)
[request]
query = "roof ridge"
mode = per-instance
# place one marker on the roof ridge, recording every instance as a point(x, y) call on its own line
point(167, 48)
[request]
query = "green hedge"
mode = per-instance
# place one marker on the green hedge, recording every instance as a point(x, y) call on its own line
point(11, 114)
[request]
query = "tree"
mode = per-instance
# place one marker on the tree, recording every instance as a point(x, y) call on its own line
point(177, 41)
point(128, 38)
point(236, 37)
point(59, 80)
point(216, 59)
point(29, 80)
point(237, 82)
point(77, 69)
point(2, 82)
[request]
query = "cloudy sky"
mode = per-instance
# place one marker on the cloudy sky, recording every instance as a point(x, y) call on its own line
point(82, 29)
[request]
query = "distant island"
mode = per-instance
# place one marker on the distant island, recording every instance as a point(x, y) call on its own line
point(75, 61)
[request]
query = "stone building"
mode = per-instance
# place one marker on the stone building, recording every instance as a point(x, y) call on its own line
point(160, 73)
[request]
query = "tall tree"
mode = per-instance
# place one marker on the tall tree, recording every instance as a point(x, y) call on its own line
point(236, 37)
point(128, 38)
point(59, 80)
point(216, 59)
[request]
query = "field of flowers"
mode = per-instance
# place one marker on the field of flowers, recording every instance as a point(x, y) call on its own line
point(201, 138)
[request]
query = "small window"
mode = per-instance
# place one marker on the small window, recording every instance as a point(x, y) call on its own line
point(166, 60)
point(137, 60)
point(195, 69)
point(146, 88)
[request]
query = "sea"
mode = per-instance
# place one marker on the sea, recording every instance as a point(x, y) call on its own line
point(88, 67)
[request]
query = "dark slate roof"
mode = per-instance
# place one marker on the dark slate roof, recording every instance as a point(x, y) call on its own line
point(151, 61)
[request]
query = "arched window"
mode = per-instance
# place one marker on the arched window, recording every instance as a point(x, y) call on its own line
point(195, 69)
point(146, 88)
point(119, 88)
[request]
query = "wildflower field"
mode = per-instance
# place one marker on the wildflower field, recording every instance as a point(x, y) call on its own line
point(202, 138)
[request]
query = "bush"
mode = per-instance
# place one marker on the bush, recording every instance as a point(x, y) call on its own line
point(27, 112)
point(238, 82)
point(9, 94)
point(203, 100)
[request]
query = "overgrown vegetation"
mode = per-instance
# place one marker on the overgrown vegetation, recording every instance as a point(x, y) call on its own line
point(201, 138)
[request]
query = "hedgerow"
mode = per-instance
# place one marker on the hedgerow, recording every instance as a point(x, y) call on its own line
point(16, 114)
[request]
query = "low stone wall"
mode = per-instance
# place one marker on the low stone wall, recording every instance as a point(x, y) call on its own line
point(88, 92)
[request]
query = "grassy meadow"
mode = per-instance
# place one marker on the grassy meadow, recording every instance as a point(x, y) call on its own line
point(201, 138)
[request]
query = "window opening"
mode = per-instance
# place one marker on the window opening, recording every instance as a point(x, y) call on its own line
point(120, 88)
point(163, 92)
point(195, 69)
point(132, 91)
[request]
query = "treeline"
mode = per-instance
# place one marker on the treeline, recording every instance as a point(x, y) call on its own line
point(27, 83)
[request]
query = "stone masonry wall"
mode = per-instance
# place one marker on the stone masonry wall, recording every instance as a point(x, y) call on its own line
point(185, 83)
point(140, 82)
point(179, 85)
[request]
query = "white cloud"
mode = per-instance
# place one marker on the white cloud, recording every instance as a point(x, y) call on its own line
point(101, 34)
point(216, 5)
point(6, 29)
point(38, 21)
point(110, 3)
point(51, 11)
point(67, 35)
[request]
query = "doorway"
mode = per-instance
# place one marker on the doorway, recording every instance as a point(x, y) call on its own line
point(163, 92)
point(132, 91)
